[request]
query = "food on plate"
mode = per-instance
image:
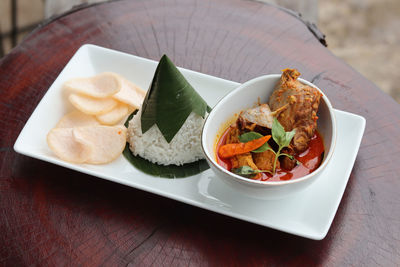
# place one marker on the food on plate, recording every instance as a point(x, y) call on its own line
point(234, 149)
point(76, 119)
point(275, 141)
point(93, 133)
point(296, 106)
point(129, 94)
point(260, 115)
point(63, 143)
point(115, 115)
point(92, 96)
point(101, 85)
point(107, 142)
point(184, 147)
point(166, 130)
point(88, 144)
point(164, 127)
point(91, 105)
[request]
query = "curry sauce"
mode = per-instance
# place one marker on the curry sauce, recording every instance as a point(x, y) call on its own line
point(309, 160)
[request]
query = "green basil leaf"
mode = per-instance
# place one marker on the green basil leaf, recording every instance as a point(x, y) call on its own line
point(288, 138)
point(246, 137)
point(245, 171)
point(263, 148)
point(278, 132)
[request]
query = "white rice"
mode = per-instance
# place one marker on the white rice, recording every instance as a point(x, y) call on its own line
point(185, 147)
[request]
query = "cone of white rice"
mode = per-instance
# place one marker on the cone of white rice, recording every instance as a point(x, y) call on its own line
point(185, 147)
point(167, 128)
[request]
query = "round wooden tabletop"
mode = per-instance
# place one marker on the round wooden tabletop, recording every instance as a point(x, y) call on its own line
point(55, 216)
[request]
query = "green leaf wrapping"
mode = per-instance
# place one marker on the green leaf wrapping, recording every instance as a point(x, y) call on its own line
point(170, 171)
point(170, 100)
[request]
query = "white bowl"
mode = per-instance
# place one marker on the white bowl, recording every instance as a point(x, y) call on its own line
point(244, 97)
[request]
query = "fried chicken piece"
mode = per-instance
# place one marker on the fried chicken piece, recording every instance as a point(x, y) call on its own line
point(243, 160)
point(295, 106)
point(287, 163)
point(260, 115)
point(265, 160)
point(233, 135)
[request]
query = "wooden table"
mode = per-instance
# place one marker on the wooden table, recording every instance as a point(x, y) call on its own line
point(50, 215)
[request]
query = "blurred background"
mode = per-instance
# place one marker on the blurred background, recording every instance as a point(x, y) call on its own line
point(364, 33)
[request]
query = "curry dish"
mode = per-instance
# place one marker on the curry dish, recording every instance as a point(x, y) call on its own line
point(277, 140)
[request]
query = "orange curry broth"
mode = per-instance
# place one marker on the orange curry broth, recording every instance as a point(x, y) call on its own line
point(310, 160)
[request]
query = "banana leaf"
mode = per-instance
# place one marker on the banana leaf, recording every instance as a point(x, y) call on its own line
point(170, 100)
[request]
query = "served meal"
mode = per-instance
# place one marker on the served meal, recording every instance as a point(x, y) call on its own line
point(94, 132)
point(164, 127)
point(275, 141)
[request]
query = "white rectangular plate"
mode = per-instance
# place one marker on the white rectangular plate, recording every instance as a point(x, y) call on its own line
point(308, 213)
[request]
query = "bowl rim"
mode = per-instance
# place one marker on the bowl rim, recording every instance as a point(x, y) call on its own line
point(328, 157)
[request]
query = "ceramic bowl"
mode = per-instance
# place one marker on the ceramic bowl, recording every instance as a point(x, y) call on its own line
point(244, 97)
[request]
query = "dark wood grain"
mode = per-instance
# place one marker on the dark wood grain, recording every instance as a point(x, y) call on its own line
point(53, 216)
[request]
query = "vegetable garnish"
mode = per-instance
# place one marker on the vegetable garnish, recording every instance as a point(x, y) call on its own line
point(257, 143)
point(246, 137)
point(170, 100)
point(282, 139)
point(246, 171)
point(230, 150)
